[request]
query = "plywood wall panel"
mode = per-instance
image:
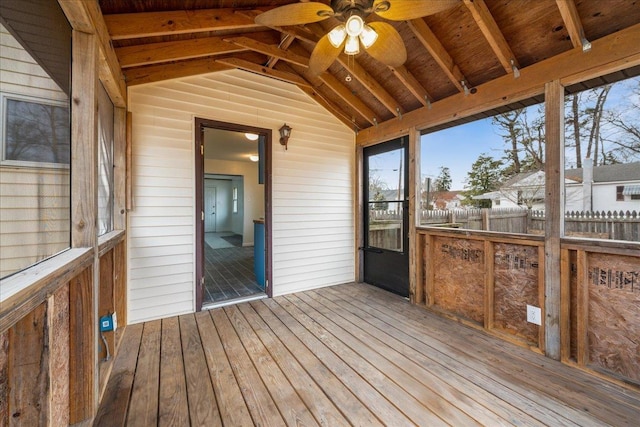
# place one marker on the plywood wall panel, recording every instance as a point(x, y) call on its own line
point(29, 373)
point(614, 313)
point(573, 290)
point(459, 277)
point(4, 378)
point(59, 356)
point(516, 285)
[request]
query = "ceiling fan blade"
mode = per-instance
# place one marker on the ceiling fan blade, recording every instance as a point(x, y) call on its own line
point(323, 55)
point(403, 10)
point(389, 48)
point(294, 14)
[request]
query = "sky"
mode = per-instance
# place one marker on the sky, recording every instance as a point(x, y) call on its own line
point(458, 147)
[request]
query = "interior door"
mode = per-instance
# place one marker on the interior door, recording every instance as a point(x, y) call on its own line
point(209, 207)
point(386, 216)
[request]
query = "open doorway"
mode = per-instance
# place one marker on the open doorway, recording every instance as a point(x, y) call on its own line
point(232, 188)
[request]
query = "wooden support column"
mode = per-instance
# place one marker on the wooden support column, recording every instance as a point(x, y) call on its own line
point(415, 289)
point(84, 206)
point(360, 203)
point(554, 207)
point(120, 169)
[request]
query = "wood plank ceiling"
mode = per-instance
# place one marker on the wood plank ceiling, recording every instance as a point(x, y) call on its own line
point(450, 52)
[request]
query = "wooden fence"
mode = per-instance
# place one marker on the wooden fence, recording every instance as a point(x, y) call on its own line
point(616, 225)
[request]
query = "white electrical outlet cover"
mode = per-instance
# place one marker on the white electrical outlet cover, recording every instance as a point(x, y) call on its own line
point(534, 314)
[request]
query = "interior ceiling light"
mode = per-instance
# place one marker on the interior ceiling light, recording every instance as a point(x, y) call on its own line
point(251, 136)
point(254, 158)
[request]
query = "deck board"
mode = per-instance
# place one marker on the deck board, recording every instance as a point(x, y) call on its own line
point(348, 355)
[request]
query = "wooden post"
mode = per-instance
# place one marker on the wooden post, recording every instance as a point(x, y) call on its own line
point(415, 290)
point(360, 204)
point(120, 169)
point(489, 282)
point(84, 207)
point(554, 207)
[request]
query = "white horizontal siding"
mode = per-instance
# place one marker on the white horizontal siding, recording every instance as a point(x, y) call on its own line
point(313, 204)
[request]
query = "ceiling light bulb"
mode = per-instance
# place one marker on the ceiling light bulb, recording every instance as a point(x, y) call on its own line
point(254, 158)
point(353, 46)
point(354, 25)
point(337, 36)
point(368, 36)
point(251, 136)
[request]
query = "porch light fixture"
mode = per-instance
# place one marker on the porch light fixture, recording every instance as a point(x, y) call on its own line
point(285, 133)
point(356, 32)
point(251, 136)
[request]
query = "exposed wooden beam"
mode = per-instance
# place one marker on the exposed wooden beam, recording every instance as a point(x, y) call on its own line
point(341, 92)
point(492, 33)
point(155, 73)
point(615, 52)
point(372, 85)
point(154, 53)
point(265, 71)
point(301, 33)
point(412, 84)
point(285, 42)
point(347, 96)
point(329, 106)
point(572, 21)
point(437, 51)
point(86, 17)
point(148, 24)
point(269, 50)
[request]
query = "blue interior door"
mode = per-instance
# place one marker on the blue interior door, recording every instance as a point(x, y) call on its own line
point(386, 216)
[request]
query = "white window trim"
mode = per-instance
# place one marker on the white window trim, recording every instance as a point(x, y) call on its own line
point(4, 96)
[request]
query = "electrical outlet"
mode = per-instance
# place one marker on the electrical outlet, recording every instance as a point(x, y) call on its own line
point(534, 314)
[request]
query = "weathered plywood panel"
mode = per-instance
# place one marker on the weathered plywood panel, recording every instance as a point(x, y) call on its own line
point(4, 378)
point(614, 313)
point(459, 277)
point(515, 286)
point(29, 391)
point(573, 290)
point(59, 356)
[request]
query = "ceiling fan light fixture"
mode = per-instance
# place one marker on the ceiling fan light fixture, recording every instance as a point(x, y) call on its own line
point(354, 25)
point(368, 36)
point(337, 36)
point(352, 47)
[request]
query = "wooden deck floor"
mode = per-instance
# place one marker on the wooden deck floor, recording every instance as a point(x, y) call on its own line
point(346, 355)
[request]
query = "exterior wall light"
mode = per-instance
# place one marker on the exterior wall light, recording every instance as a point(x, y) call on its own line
point(285, 133)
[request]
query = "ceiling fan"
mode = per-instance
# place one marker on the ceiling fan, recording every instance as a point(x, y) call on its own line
point(380, 39)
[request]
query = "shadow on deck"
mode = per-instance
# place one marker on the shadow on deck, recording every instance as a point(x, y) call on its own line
point(349, 354)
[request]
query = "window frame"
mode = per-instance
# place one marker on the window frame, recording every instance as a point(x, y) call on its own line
point(4, 96)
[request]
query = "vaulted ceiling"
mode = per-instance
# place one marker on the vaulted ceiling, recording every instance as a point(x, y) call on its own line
point(449, 53)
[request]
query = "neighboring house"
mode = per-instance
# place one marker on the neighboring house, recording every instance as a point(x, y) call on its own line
point(602, 188)
point(446, 200)
point(34, 177)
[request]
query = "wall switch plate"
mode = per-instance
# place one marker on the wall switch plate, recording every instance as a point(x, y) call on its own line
point(534, 314)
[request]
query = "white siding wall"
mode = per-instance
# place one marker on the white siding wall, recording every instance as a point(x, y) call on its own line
point(313, 202)
point(34, 201)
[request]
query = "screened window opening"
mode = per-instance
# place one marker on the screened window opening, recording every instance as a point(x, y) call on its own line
point(105, 162)
point(35, 136)
point(487, 174)
point(602, 161)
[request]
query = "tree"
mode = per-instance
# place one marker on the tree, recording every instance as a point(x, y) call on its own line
point(485, 176)
point(443, 181)
point(524, 137)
